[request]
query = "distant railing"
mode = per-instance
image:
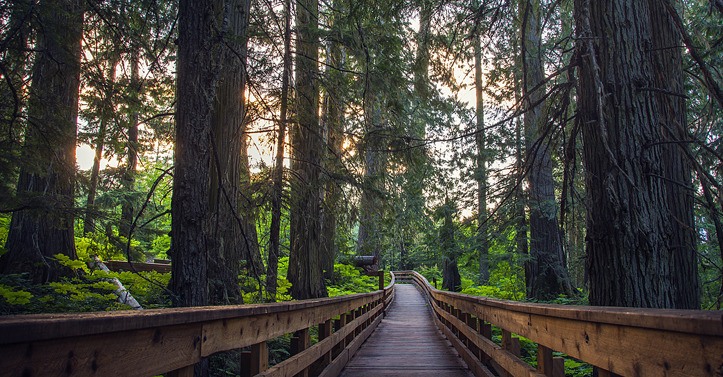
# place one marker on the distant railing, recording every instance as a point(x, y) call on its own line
point(171, 341)
point(618, 341)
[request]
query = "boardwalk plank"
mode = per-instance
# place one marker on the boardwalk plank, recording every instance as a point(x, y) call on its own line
point(406, 343)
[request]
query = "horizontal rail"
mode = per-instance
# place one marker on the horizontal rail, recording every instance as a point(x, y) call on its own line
point(621, 341)
point(119, 265)
point(151, 342)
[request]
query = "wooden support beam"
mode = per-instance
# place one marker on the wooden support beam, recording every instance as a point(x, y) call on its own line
point(549, 365)
point(259, 358)
point(299, 342)
point(511, 343)
point(325, 332)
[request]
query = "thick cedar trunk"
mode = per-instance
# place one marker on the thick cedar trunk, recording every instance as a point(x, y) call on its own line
point(278, 177)
point(226, 252)
point(305, 272)
point(547, 273)
point(47, 178)
point(196, 82)
point(481, 166)
point(667, 62)
point(129, 174)
point(639, 242)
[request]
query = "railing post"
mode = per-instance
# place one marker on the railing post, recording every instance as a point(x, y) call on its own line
point(547, 364)
point(338, 325)
point(349, 318)
point(259, 358)
point(325, 332)
point(485, 329)
point(510, 344)
point(299, 342)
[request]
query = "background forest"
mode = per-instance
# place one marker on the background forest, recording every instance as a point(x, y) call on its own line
point(518, 149)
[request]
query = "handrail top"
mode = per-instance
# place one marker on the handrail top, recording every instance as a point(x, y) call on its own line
point(32, 327)
point(703, 322)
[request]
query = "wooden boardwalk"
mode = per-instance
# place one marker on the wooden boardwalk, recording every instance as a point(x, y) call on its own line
point(406, 343)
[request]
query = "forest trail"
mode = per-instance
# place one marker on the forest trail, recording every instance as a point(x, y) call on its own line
point(406, 343)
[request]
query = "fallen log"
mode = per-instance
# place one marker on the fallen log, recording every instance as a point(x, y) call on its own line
point(124, 297)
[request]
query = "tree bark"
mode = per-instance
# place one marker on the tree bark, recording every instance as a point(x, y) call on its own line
point(667, 62)
point(305, 272)
point(44, 227)
point(229, 231)
point(369, 239)
point(638, 235)
point(196, 76)
point(548, 275)
point(278, 177)
point(333, 137)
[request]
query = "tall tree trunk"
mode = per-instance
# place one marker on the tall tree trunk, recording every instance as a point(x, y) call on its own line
point(305, 272)
point(228, 230)
point(548, 274)
point(13, 91)
point(197, 73)
point(369, 239)
point(333, 118)
point(417, 167)
point(667, 62)
point(129, 174)
point(47, 178)
point(451, 279)
point(638, 235)
point(250, 243)
point(481, 166)
point(278, 178)
point(520, 205)
point(106, 114)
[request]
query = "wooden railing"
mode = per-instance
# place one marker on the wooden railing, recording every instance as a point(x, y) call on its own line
point(171, 341)
point(618, 341)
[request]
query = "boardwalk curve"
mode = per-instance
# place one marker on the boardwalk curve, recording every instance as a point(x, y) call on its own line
point(406, 343)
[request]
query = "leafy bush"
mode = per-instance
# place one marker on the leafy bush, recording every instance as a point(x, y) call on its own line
point(349, 280)
point(87, 291)
point(432, 273)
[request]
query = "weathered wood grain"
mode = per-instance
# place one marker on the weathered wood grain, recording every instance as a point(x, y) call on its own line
point(133, 343)
point(406, 343)
point(625, 341)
